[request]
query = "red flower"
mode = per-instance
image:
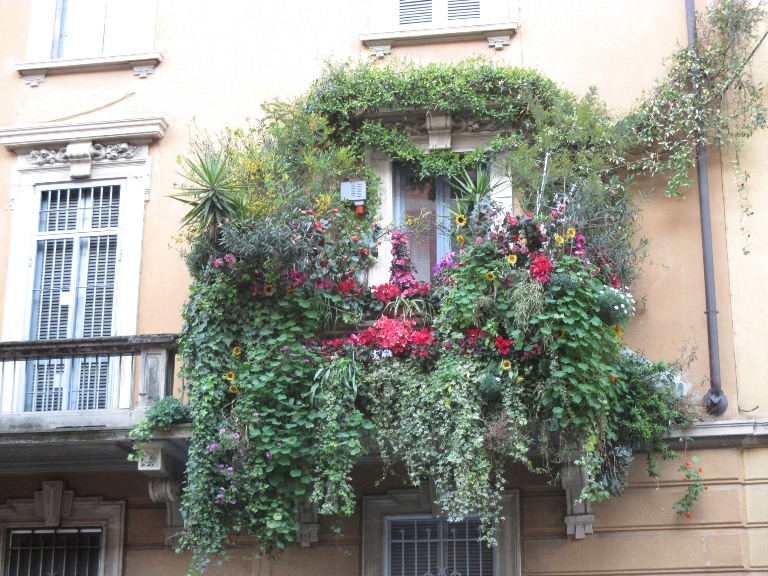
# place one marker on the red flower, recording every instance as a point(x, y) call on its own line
point(540, 268)
point(503, 344)
point(687, 514)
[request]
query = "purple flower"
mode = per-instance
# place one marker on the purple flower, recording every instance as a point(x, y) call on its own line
point(255, 414)
point(233, 501)
point(212, 447)
point(235, 436)
point(268, 455)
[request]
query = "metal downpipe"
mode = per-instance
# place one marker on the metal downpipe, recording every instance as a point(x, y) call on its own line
point(715, 401)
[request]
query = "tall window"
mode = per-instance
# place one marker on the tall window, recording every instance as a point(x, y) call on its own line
point(426, 546)
point(91, 28)
point(421, 208)
point(73, 293)
point(54, 551)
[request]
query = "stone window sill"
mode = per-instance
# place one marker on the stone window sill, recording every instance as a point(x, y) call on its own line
point(498, 35)
point(143, 64)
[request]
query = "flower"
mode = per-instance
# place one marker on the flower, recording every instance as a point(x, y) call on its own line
point(232, 388)
point(460, 238)
point(506, 364)
point(490, 276)
point(503, 344)
point(511, 259)
point(269, 290)
point(229, 376)
point(687, 514)
point(236, 351)
point(559, 239)
point(268, 455)
point(540, 268)
point(570, 233)
point(461, 220)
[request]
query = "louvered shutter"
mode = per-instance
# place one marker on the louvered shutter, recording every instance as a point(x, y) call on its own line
point(415, 11)
point(463, 9)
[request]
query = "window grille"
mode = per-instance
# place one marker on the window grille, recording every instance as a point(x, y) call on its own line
point(53, 552)
point(436, 547)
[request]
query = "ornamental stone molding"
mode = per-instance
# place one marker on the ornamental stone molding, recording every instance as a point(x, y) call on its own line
point(437, 130)
point(79, 156)
point(579, 518)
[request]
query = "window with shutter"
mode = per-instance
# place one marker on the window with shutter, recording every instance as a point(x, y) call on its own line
point(74, 293)
point(426, 546)
point(438, 12)
point(54, 551)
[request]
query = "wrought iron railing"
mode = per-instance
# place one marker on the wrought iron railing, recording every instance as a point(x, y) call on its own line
point(119, 372)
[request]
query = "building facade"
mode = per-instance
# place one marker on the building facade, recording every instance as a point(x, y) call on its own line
point(97, 100)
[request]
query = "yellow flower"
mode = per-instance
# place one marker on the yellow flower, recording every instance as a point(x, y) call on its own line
point(269, 290)
point(559, 239)
point(229, 376)
point(461, 220)
point(236, 351)
point(506, 364)
point(490, 276)
point(520, 380)
point(232, 389)
point(460, 238)
point(571, 232)
point(511, 259)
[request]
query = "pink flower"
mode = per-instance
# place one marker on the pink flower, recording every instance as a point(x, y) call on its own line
point(268, 455)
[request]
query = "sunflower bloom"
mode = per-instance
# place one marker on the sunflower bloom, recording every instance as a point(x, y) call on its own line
point(559, 239)
point(460, 238)
point(229, 376)
point(232, 389)
point(490, 276)
point(269, 290)
point(236, 351)
point(512, 259)
point(506, 365)
point(570, 233)
point(461, 220)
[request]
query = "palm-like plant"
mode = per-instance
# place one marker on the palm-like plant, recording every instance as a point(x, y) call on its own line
point(212, 189)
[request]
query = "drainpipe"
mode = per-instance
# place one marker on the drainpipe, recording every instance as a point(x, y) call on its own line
point(714, 400)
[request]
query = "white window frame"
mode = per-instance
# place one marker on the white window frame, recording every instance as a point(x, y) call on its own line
point(55, 507)
point(420, 502)
point(132, 170)
point(137, 53)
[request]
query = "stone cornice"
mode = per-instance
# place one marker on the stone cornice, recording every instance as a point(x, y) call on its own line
point(56, 134)
point(143, 64)
point(723, 433)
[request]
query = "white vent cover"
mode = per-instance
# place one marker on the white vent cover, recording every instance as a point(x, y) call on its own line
point(354, 191)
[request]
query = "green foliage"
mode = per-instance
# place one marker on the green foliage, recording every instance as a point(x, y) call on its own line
point(161, 415)
point(524, 350)
point(708, 96)
point(693, 475)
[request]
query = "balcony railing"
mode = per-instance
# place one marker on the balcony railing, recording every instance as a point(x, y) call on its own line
point(85, 374)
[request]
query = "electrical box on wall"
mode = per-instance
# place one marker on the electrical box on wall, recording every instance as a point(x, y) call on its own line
point(355, 192)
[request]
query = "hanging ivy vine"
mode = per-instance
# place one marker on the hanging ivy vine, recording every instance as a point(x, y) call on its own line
point(514, 349)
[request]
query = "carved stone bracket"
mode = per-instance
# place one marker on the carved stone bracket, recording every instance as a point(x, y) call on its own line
point(53, 503)
point(309, 527)
point(79, 156)
point(380, 51)
point(498, 42)
point(167, 491)
point(439, 128)
point(579, 518)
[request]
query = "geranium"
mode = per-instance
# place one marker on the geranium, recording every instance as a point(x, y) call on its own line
point(385, 292)
point(503, 344)
point(541, 268)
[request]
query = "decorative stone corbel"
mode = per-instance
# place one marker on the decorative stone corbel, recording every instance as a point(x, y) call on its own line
point(439, 130)
point(34, 79)
point(380, 51)
point(498, 42)
point(53, 503)
point(309, 528)
point(167, 491)
point(579, 517)
point(143, 71)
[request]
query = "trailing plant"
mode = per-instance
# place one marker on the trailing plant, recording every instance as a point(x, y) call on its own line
point(161, 415)
point(514, 348)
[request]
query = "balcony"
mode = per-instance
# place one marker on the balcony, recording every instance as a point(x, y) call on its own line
point(71, 403)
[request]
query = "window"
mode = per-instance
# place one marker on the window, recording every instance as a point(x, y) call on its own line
point(426, 546)
point(61, 534)
point(438, 12)
point(59, 551)
point(74, 257)
point(88, 28)
point(73, 293)
point(403, 535)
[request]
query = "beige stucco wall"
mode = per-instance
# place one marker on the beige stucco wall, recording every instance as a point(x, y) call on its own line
point(220, 63)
